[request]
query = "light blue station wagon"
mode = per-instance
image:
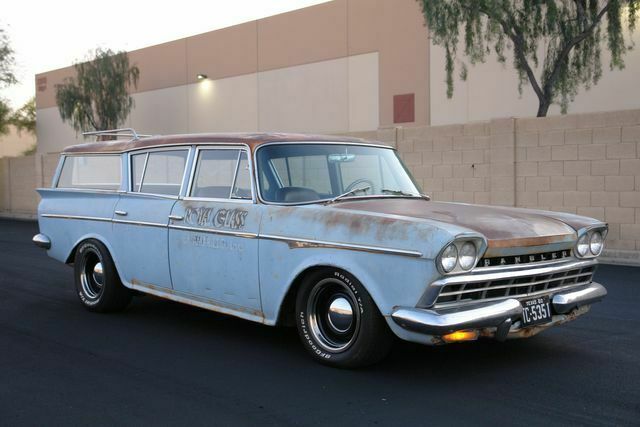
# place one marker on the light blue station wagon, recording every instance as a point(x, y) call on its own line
point(331, 234)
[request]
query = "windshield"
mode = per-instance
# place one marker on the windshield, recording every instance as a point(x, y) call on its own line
point(303, 173)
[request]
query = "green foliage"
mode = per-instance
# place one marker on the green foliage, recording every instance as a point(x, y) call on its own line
point(7, 61)
point(98, 97)
point(568, 33)
point(25, 117)
point(5, 117)
point(7, 78)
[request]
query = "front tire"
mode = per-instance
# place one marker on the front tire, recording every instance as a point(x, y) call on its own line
point(338, 322)
point(97, 282)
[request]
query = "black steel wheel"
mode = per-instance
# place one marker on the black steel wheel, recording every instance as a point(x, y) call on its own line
point(97, 282)
point(338, 322)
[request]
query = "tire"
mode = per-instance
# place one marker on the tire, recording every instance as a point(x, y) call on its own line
point(98, 292)
point(338, 322)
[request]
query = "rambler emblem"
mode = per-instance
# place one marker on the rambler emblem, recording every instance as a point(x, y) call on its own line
point(218, 218)
point(519, 259)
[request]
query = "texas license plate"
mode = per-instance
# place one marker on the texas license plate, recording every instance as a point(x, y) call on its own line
point(536, 311)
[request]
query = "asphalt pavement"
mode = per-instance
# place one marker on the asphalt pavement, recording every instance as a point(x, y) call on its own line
point(164, 363)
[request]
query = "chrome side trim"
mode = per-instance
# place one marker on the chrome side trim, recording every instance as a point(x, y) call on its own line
point(142, 223)
point(215, 231)
point(80, 190)
point(565, 302)
point(292, 241)
point(309, 243)
point(42, 241)
point(79, 217)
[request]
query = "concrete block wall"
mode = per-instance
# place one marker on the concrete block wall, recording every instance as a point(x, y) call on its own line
point(19, 177)
point(471, 163)
point(587, 164)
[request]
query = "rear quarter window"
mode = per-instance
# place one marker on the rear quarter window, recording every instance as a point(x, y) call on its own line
point(97, 172)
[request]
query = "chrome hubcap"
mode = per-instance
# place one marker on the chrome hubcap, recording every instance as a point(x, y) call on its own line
point(334, 319)
point(98, 273)
point(92, 275)
point(340, 314)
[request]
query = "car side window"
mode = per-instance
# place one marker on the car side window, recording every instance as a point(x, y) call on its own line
point(242, 184)
point(137, 168)
point(99, 172)
point(215, 173)
point(163, 172)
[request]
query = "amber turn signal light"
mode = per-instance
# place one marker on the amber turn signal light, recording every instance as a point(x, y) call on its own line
point(461, 336)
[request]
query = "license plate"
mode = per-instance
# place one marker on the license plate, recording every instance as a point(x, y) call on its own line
point(536, 311)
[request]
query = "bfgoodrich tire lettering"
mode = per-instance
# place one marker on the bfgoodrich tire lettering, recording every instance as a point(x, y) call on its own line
point(338, 322)
point(97, 282)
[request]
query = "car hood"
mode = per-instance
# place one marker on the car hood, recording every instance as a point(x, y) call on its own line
point(502, 226)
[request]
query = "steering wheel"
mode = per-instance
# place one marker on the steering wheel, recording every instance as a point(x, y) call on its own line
point(355, 183)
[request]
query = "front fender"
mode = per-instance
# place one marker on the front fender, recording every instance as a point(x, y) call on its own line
point(391, 280)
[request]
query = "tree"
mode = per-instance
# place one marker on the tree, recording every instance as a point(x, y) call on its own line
point(25, 117)
point(98, 97)
point(568, 34)
point(7, 78)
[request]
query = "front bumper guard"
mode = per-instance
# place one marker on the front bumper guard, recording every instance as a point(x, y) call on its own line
point(500, 315)
point(42, 241)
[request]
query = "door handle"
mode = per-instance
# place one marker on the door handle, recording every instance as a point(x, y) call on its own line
point(121, 213)
point(176, 217)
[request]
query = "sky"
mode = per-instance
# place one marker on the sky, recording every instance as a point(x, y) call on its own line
point(47, 35)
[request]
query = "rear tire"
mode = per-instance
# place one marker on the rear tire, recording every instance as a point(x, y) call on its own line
point(97, 282)
point(338, 321)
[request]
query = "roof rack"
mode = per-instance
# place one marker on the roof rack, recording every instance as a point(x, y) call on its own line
point(117, 132)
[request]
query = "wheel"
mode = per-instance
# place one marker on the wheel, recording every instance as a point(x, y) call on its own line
point(338, 322)
point(97, 282)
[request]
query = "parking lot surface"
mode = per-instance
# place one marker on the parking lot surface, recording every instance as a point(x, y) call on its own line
point(163, 363)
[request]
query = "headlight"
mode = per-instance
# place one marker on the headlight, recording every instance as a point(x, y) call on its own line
point(595, 244)
point(449, 258)
point(583, 245)
point(467, 256)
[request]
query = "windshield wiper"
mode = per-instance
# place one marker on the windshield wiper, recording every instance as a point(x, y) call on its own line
point(404, 193)
point(349, 193)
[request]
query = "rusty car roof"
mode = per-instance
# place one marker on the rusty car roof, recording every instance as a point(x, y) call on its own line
point(253, 140)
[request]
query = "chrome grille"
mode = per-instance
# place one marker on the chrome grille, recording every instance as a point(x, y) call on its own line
point(514, 287)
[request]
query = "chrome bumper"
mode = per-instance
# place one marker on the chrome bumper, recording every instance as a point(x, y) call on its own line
point(500, 315)
point(42, 241)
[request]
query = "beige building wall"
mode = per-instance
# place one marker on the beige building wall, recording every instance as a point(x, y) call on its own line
point(343, 95)
point(162, 111)
point(328, 68)
point(15, 143)
point(491, 90)
point(224, 105)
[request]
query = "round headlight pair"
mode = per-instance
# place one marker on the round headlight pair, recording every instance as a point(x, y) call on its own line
point(596, 243)
point(590, 244)
point(465, 257)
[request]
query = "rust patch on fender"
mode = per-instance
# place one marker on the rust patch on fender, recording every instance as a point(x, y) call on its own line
point(531, 241)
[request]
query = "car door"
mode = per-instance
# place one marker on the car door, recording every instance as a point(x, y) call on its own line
point(142, 214)
point(213, 245)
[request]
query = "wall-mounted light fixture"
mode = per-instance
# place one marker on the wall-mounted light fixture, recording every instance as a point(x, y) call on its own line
point(201, 77)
